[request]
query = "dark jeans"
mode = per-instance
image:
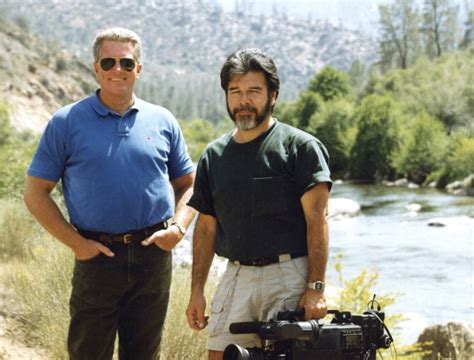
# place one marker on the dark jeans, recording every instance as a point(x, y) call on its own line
point(127, 294)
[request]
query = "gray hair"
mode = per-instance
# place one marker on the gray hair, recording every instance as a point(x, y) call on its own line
point(246, 60)
point(121, 35)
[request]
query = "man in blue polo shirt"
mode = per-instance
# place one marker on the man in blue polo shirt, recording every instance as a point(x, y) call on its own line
point(126, 177)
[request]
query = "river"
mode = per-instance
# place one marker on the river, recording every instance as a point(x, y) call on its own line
point(431, 266)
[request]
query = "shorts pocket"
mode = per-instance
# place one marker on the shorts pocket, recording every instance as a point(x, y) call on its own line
point(294, 273)
point(223, 299)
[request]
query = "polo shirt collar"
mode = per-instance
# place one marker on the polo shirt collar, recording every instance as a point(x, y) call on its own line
point(103, 110)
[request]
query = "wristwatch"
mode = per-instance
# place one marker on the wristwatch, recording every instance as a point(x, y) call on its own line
point(317, 285)
point(181, 229)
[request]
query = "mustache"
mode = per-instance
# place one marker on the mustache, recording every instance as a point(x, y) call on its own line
point(244, 108)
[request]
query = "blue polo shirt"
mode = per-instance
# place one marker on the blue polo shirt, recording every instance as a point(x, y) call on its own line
point(115, 170)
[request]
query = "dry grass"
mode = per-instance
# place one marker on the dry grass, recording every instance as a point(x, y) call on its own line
point(179, 341)
point(38, 272)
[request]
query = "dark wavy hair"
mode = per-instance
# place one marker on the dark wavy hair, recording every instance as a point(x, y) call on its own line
point(246, 60)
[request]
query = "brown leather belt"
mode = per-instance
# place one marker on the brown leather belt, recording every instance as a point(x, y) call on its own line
point(125, 238)
point(264, 261)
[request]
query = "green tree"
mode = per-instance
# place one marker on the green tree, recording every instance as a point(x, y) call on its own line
point(442, 88)
point(285, 112)
point(399, 34)
point(358, 76)
point(423, 149)
point(333, 125)
point(199, 132)
point(330, 83)
point(377, 138)
point(440, 26)
point(308, 103)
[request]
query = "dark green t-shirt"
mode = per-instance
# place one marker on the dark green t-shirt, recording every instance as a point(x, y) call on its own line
point(254, 190)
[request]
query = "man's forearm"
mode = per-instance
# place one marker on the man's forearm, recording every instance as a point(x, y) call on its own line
point(314, 203)
point(183, 188)
point(203, 252)
point(318, 250)
point(184, 214)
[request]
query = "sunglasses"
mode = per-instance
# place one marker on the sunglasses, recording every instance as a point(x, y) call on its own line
point(127, 64)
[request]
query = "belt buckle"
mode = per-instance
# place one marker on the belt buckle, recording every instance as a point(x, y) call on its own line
point(127, 238)
point(257, 261)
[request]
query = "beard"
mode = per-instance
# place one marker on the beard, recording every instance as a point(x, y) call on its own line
point(248, 122)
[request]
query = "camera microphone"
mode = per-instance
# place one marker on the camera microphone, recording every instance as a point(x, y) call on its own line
point(251, 327)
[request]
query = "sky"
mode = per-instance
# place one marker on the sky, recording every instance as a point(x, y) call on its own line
point(353, 14)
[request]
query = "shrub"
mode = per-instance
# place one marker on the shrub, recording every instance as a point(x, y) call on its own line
point(16, 150)
point(354, 297)
point(15, 158)
point(458, 164)
point(61, 64)
point(5, 125)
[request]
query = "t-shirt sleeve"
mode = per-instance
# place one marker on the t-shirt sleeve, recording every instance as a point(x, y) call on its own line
point(50, 157)
point(311, 166)
point(179, 162)
point(201, 199)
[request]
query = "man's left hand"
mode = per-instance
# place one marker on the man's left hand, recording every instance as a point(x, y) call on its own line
point(164, 239)
point(314, 304)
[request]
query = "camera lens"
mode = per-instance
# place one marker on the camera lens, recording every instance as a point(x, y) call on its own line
point(236, 352)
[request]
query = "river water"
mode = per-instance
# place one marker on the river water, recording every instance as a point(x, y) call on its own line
point(431, 266)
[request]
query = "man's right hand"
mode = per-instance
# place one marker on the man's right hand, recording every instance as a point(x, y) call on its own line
point(89, 249)
point(195, 312)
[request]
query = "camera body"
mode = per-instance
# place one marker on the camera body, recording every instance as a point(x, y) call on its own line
point(348, 337)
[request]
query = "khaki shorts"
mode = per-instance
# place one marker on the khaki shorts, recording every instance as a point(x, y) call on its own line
point(248, 293)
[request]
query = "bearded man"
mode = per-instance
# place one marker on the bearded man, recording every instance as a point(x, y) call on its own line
point(261, 192)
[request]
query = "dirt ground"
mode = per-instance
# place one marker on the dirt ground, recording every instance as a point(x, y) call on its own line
point(11, 348)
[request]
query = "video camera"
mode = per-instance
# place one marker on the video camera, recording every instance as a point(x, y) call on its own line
point(348, 337)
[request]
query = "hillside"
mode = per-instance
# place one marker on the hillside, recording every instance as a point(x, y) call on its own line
point(36, 78)
point(186, 42)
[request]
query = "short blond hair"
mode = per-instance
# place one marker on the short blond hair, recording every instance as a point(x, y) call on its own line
point(121, 35)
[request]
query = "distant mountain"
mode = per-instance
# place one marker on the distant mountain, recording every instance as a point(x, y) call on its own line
point(36, 77)
point(186, 42)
